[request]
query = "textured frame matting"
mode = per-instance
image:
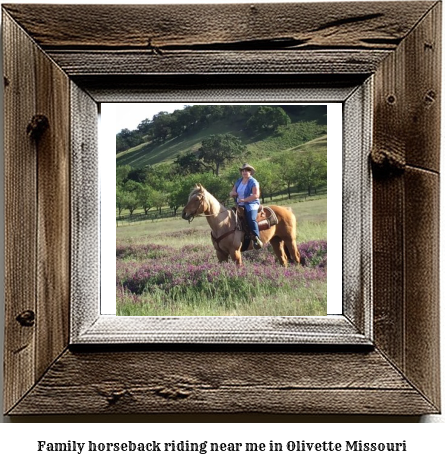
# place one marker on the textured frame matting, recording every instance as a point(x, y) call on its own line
point(90, 326)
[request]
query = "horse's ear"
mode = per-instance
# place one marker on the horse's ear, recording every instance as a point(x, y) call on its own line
point(199, 186)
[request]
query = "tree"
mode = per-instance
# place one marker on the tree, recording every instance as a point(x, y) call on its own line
point(127, 139)
point(162, 126)
point(216, 185)
point(144, 126)
point(159, 199)
point(130, 201)
point(120, 199)
point(268, 119)
point(268, 177)
point(312, 170)
point(188, 163)
point(178, 193)
point(122, 173)
point(288, 169)
point(138, 174)
point(145, 197)
point(158, 175)
point(219, 149)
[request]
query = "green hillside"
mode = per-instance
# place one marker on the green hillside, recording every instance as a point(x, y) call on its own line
point(153, 153)
point(305, 126)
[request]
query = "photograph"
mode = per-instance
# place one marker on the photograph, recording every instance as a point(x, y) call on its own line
point(221, 210)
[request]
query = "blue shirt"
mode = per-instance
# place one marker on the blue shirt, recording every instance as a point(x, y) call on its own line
point(247, 188)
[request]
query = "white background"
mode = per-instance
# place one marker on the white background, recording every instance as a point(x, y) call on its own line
point(18, 437)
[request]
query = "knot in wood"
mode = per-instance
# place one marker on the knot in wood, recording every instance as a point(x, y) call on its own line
point(114, 397)
point(172, 393)
point(26, 318)
point(430, 97)
point(37, 126)
point(386, 162)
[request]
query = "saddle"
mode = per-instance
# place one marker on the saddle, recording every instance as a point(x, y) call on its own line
point(266, 218)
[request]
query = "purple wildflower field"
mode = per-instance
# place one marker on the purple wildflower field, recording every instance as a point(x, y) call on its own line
point(156, 279)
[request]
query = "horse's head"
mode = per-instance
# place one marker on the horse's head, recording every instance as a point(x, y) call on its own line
point(196, 204)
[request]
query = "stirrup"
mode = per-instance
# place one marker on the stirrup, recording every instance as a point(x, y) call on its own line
point(257, 244)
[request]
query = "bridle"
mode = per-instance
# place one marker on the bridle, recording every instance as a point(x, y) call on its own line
point(193, 215)
point(215, 239)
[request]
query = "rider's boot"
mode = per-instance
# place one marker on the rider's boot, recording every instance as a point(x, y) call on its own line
point(257, 244)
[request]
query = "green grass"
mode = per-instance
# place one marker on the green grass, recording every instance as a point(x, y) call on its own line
point(175, 243)
point(311, 219)
point(297, 302)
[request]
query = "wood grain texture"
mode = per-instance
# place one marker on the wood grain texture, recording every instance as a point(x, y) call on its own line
point(129, 63)
point(349, 25)
point(422, 364)
point(38, 191)
point(20, 213)
point(423, 92)
point(406, 206)
point(301, 44)
point(223, 382)
point(53, 228)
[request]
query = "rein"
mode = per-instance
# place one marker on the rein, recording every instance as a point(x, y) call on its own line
point(192, 217)
point(223, 236)
point(217, 239)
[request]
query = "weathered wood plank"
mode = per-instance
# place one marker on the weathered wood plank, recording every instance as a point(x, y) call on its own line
point(388, 201)
point(215, 62)
point(221, 382)
point(20, 213)
point(53, 235)
point(423, 92)
point(347, 25)
point(406, 205)
point(422, 255)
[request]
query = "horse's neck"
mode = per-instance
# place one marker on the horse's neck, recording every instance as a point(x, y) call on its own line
point(218, 215)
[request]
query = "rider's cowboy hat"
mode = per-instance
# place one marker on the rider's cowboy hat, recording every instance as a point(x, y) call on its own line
point(246, 166)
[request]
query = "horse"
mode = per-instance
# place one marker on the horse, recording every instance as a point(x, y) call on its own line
point(227, 236)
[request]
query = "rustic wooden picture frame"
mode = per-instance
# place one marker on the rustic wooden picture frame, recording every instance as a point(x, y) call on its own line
point(75, 57)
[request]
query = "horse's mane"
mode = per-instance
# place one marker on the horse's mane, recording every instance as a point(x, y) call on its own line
point(198, 188)
point(195, 190)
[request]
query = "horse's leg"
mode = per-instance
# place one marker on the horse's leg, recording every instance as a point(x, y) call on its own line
point(236, 256)
point(293, 250)
point(278, 248)
point(222, 257)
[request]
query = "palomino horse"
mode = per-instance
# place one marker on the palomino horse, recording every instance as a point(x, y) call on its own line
point(227, 238)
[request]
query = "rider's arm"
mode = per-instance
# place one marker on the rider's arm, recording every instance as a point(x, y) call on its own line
point(255, 195)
